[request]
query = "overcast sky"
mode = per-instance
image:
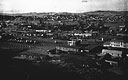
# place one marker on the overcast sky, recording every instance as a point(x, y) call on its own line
point(61, 5)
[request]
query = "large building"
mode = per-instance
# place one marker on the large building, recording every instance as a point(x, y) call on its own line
point(116, 43)
point(76, 46)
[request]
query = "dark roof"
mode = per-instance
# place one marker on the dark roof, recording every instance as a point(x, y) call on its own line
point(87, 47)
point(118, 49)
point(120, 39)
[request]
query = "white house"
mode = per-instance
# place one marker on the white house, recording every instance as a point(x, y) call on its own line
point(114, 53)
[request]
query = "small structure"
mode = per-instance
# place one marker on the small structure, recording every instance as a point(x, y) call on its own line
point(74, 43)
point(44, 31)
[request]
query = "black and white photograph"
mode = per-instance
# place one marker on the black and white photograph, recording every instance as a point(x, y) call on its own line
point(63, 39)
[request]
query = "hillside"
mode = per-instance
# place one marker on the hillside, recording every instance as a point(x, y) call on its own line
point(101, 13)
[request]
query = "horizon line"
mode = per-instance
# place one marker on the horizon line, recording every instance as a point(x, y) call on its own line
point(17, 12)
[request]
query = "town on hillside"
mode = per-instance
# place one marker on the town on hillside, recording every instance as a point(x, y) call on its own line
point(93, 45)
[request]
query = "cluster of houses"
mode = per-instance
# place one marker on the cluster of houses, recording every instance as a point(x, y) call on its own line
point(116, 47)
point(118, 50)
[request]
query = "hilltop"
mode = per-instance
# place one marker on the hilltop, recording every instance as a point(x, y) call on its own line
point(100, 13)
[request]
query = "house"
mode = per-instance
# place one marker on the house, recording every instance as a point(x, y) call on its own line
point(114, 53)
point(43, 31)
point(74, 43)
point(71, 43)
point(116, 43)
point(117, 47)
point(67, 48)
point(83, 34)
point(86, 34)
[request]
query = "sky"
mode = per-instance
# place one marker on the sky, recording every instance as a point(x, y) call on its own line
point(75, 6)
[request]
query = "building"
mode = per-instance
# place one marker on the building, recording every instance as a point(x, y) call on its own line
point(114, 53)
point(88, 48)
point(83, 34)
point(86, 34)
point(74, 43)
point(120, 44)
point(71, 43)
point(116, 47)
point(67, 48)
point(43, 31)
point(123, 31)
point(116, 43)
